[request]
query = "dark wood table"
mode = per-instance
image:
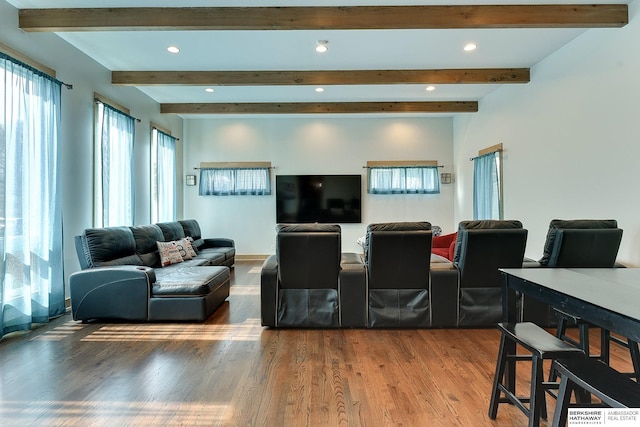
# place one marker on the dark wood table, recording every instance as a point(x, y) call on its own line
point(606, 297)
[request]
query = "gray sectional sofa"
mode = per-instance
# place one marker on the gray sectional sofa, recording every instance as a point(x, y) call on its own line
point(123, 278)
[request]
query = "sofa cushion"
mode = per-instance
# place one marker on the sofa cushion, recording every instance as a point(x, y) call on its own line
point(198, 245)
point(308, 255)
point(110, 246)
point(190, 281)
point(214, 256)
point(146, 237)
point(303, 228)
point(443, 252)
point(392, 226)
point(169, 253)
point(169, 270)
point(557, 224)
point(282, 230)
point(191, 228)
point(127, 260)
point(482, 225)
point(171, 231)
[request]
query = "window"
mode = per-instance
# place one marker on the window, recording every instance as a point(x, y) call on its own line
point(113, 166)
point(31, 267)
point(163, 176)
point(235, 179)
point(487, 184)
point(407, 178)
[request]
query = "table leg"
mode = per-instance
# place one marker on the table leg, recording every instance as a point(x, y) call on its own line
point(510, 314)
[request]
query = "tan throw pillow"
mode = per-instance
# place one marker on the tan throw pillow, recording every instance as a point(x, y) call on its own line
point(169, 253)
point(185, 248)
point(193, 245)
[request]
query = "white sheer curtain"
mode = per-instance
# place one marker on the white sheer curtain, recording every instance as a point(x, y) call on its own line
point(235, 182)
point(163, 177)
point(404, 180)
point(31, 269)
point(486, 187)
point(114, 167)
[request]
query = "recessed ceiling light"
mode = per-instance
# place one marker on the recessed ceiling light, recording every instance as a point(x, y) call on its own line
point(173, 49)
point(319, 89)
point(209, 89)
point(430, 88)
point(322, 46)
point(470, 47)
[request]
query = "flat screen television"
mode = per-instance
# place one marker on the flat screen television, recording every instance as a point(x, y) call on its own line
point(318, 198)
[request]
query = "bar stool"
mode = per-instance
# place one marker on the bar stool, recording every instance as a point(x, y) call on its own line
point(565, 319)
point(587, 376)
point(541, 346)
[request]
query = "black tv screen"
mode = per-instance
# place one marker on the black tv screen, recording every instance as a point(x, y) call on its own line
point(318, 198)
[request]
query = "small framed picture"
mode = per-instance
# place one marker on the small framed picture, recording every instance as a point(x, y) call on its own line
point(190, 180)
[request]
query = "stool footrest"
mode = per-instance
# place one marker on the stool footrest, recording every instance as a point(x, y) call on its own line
point(573, 318)
point(515, 400)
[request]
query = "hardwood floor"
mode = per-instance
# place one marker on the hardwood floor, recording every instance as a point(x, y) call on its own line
point(229, 371)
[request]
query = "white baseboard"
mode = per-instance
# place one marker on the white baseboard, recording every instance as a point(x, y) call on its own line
point(254, 257)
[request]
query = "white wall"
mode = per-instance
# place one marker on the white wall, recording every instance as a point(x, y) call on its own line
point(571, 138)
point(87, 77)
point(314, 145)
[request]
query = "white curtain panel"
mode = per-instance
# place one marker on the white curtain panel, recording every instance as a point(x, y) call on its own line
point(163, 172)
point(114, 167)
point(235, 182)
point(486, 186)
point(31, 271)
point(404, 180)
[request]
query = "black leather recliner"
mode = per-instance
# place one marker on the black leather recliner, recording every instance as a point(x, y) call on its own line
point(586, 243)
point(581, 243)
point(397, 256)
point(309, 282)
point(575, 243)
point(482, 247)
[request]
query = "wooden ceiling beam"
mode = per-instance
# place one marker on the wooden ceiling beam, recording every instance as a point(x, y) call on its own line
point(332, 77)
point(324, 18)
point(321, 108)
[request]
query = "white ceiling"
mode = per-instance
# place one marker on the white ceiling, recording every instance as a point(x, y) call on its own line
point(294, 50)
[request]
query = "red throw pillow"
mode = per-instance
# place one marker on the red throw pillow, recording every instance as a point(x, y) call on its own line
point(444, 245)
